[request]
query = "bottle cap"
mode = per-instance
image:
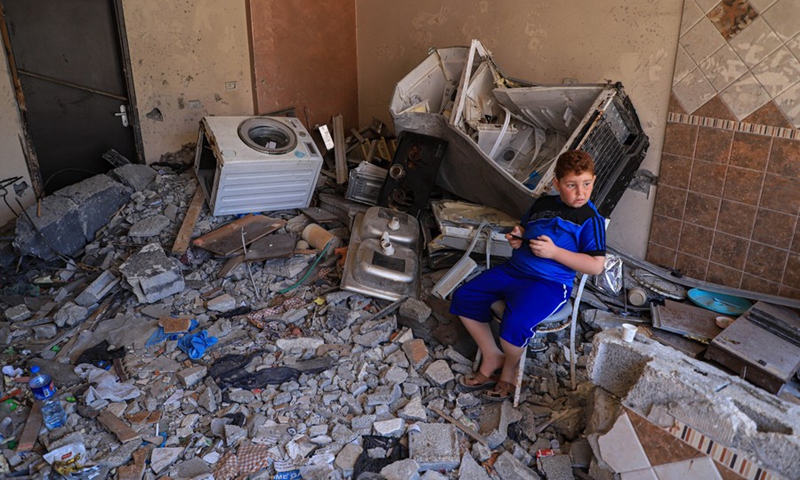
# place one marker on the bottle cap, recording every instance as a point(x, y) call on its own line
point(35, 369)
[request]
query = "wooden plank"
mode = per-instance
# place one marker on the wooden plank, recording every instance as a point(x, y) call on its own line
point(227, 239)
point(684, 319)
point(271, 246)
point(116, 426)
point(31, 430)
point(232, 263)
point(339, 149)
point(185, 233)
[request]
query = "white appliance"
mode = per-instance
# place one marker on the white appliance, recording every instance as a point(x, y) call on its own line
point(256, 164)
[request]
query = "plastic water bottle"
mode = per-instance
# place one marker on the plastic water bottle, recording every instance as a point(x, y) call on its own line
point(45, 392)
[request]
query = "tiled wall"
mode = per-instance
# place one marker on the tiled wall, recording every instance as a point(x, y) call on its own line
point(728, 199)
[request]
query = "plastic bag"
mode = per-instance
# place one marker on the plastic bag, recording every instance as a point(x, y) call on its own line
point(610, 281)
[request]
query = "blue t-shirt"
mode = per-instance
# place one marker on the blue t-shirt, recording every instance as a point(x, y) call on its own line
point(579, 229)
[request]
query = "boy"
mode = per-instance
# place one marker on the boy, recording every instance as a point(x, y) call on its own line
point(558, 236)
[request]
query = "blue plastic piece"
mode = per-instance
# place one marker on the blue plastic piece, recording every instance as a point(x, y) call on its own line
point(195, 345)
point(719, 302)
point(159, 336)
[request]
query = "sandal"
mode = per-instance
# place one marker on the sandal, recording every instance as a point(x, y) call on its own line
point(476, 381)
point(502, 391)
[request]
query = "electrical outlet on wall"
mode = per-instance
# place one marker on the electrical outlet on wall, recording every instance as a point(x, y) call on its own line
point(230, 85)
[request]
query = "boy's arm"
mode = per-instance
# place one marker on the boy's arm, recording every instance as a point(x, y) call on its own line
point(544, 247)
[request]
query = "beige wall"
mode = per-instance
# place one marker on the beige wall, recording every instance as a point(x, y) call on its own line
point(12, 161)
point(182, 55)
point(540, 41)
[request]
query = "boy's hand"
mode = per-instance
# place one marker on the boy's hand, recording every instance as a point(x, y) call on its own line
point(514, 237)
point(543, 247)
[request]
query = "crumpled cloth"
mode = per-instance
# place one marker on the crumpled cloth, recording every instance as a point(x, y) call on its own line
point(106, 386)
point(195, 345)
point(249, 459)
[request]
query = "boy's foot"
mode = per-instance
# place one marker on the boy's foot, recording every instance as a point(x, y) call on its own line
point(477, 381)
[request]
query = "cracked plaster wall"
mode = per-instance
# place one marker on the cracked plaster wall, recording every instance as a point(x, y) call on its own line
point(540, 41)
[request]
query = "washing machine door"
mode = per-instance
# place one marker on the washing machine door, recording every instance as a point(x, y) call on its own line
point(267, 135)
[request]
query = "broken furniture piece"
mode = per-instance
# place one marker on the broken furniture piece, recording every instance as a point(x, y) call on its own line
point(383, 259)
point(457, 220)
point(692, 322)
point(255, 164)
point(504, 135)
point(762, 346)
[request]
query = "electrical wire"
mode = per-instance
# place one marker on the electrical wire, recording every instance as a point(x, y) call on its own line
point(4, 184)
point(71, 169)
point(316, 262)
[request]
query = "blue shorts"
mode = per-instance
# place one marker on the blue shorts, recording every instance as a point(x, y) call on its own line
point(528, 300)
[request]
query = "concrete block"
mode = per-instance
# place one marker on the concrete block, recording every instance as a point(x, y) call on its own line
point(725, 408)
point(557, 467)
point(192, 375)
point(97, 289)
point(149, 226)
point(223, 303)
point(98, 198)
point(59, 223)
point(151, 275)
point(390, 428)
point(509, 468)
point(415, 310)
point(136, 176)
point(434, 446)
point(18, 313)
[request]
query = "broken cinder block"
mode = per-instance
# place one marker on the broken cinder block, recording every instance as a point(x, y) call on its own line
point(151, 275)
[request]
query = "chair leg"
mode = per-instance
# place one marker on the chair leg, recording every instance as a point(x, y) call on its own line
point(520, 373)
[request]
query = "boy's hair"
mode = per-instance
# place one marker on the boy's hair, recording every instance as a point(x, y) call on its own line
point(574, 161)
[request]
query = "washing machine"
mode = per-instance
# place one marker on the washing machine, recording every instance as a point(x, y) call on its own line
point(256, 164)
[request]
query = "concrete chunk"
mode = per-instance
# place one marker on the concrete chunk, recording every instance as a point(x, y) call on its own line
point(18, 313)
point(151, 275)
point(136, 176)
point(401, 470)
point(390, 428)
point(471, 470)
point(192, 375)
point(415, 310)
point(435, 446)
point(346, 459)
point(98, 289)
point(439, 373)
point(149, 226)
point(509, 468)
point(417, 352)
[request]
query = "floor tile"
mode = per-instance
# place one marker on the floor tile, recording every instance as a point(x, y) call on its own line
point(789, 103)
point(745, 96)
point(784, 18)
point(723, 67)
point(620, 447)
point(794, 45)
point(706, 5)
point(694, 90)
point(754, 43)
point(697, 469)
point(769, 114)
point(702, 40)
point(779, 71)
point(643, 474)
point(683, 65)
point(716, 108)
point(691, 14)
point(730, 18)
point(761, 6)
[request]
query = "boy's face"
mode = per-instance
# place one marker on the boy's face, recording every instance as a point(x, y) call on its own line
point(575, 188)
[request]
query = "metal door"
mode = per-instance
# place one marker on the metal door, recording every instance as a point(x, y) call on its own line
point(68, 60)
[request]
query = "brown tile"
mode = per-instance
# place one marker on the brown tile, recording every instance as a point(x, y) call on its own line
point(727, 474)
point(701, 210)
point(696, 240)
point(736, 218)
point(766, 262)
point(760, 285)
point(731, 17)
point(675, 171)
point(784, 159)
point(670, 202)
point(662, 256)
point(665, 231)
point(791, 277)
point(729, 250)
point(750, 151)
point(781, 194)
point(679, 139)
point(715, 108)
point(743, 185)
point(795, 248)
point(708, 178)
point(690, 266)
point(713, 145)
point(674, 105)
point(789, 292)
point(720, 274)
point(774, 229)
point(659, 445)
point(769, 114)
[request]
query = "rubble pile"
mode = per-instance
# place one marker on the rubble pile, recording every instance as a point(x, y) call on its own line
point(170, 370)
